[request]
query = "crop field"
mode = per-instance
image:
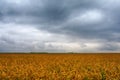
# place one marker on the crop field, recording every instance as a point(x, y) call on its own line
point(60, 66)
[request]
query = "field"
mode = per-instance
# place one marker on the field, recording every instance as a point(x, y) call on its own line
point(59, 66)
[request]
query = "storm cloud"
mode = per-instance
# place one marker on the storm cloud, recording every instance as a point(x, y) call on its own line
point(59, 25)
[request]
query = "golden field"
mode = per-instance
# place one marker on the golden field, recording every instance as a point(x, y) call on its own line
point(59, 66)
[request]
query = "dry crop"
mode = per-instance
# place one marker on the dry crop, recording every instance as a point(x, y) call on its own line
point(59, 66)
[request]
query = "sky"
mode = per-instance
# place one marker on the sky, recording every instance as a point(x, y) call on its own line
point(59, 25)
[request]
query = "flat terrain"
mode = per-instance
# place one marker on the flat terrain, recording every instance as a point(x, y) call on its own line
point(60, 66)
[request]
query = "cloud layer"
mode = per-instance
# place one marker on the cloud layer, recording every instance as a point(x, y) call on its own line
point(59, 26)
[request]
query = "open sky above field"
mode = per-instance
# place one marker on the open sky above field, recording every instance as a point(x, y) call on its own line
point(59, 25)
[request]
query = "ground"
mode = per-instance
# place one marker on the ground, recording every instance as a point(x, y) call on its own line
point(70, 66)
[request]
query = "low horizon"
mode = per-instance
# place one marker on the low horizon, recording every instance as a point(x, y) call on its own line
point(60, 52)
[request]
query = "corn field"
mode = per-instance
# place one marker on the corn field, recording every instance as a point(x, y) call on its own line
point(59, 66)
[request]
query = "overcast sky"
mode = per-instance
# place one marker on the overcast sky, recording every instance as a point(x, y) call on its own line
point(59, 25)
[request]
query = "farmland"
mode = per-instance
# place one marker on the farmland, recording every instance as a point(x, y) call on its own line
point(60, 66)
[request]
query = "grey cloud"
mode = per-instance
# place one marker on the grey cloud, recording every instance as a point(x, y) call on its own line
point(6, 39)
point(54, 17)
point(51, 12)
point(109, 47)
point(1, 16)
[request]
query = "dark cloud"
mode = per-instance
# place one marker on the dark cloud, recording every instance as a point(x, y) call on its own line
point(90, 20)
point(49, 12)
point(1, 16)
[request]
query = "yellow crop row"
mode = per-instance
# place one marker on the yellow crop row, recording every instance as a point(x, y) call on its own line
point(59, 66)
